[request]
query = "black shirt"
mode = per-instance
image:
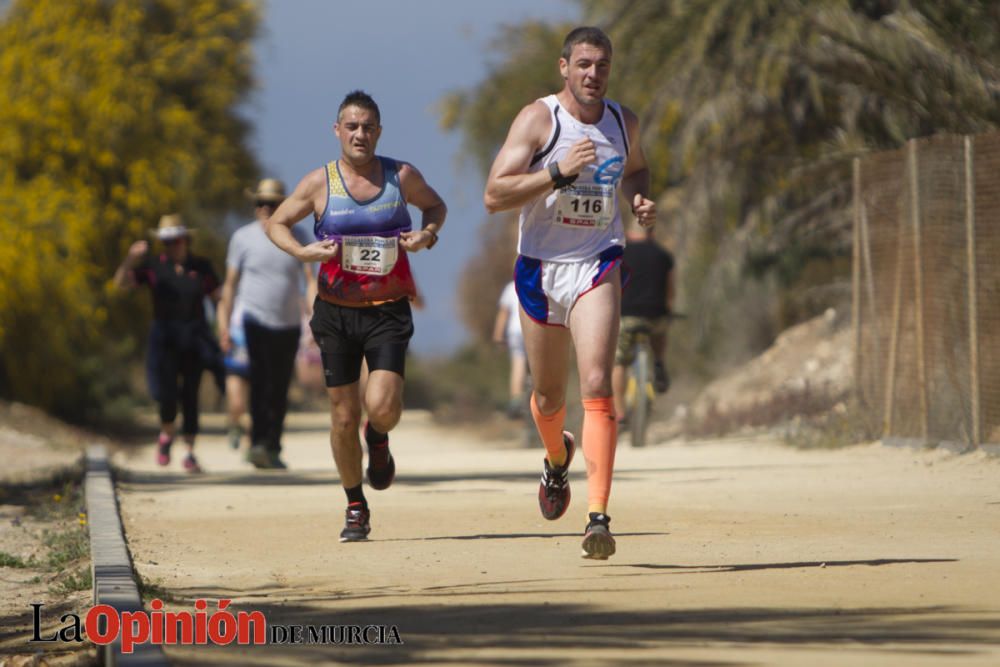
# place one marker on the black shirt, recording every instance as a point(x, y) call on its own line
point(177, 295)
point(646, 292)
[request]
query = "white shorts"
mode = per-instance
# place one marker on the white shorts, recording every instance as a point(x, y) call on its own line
point(549, 290)
point(515, 343)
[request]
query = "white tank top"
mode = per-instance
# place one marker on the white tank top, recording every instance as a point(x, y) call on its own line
point(581, 220)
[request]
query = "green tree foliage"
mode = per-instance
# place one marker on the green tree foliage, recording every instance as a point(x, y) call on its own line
point(528, 71)
point(751, 110)
point(114, 113)
point(774, 94)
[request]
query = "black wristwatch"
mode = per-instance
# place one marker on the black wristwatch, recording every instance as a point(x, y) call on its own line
point(558, 180)
point(434, 237)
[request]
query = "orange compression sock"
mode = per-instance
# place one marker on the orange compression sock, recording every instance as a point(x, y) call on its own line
point(550, 428)
point(600, 436)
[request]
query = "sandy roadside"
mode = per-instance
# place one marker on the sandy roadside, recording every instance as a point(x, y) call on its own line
point(733, 552)
point(44, 549)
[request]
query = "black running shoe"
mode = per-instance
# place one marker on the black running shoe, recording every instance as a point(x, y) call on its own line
point(381, 466)
point(661, 379)
point(257, 456)
point(358, 523)
point(553, 491)
point(597, 541)
point(275, 462)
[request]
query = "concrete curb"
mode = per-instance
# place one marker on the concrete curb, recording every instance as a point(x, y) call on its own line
point(111, 563)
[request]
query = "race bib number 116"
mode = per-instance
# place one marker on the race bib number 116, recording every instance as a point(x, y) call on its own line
point(586, 206)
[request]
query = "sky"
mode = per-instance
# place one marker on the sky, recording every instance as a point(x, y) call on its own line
point(408, 55)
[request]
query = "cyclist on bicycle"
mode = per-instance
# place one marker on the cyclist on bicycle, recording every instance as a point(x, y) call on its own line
point(647, 303)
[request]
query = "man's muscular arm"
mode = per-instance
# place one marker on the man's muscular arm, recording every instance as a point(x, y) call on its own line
point(635, 183)
point(509, 184)
point(299, 204)
point(418, 192)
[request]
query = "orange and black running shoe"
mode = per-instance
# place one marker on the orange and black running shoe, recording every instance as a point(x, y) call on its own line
point(553, 491)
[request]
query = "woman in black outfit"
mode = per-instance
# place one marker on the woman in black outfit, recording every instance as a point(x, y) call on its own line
point(181, 345)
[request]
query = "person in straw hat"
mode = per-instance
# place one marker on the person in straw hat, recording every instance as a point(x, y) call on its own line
point(267, 284)
point(181, 345)
point(237, 358)
point(359, 202)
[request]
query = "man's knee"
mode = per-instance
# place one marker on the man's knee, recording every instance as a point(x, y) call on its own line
point(595, 383)
point(384, 411)
point(343, 422)
point(345, 415)
point(549, 401)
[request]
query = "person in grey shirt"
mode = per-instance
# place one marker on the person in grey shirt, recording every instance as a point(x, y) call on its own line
point(268, 283)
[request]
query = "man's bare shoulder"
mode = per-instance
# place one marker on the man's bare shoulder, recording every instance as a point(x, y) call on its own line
point(631, 121)
point(406, 169)
point(311, 185)
point(309, 196)
point(535, 112)
point(630, 116)
point(534, 121)
point(314, 179)
point(409, 178)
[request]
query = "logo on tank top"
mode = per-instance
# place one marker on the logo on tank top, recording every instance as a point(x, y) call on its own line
point(610, 171)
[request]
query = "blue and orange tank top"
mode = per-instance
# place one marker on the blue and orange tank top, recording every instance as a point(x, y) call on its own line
point(371, 268)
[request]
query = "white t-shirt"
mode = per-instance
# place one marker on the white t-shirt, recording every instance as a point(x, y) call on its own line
point(271, 281)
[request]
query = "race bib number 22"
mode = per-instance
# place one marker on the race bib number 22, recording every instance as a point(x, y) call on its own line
point(369, 255)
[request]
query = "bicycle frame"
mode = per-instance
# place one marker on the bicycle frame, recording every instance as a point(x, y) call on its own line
point(639, 393)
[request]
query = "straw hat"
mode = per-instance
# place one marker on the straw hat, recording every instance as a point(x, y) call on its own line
point(171, 227)
point(269, 190)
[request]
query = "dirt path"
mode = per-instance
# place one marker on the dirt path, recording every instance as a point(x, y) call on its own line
point(729, 553)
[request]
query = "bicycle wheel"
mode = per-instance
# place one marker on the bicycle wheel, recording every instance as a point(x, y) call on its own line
point(639, 419)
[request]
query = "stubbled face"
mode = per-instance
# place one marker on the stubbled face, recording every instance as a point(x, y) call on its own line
point(358, 131)
point(587, 73)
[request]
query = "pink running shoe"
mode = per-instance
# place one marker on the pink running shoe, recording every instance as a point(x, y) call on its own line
point(163, 449)
point(191, 464)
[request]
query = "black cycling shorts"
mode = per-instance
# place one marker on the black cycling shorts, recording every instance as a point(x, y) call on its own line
point(346, 335)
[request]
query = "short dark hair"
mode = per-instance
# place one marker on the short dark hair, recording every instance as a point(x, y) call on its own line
point(362, 100)
point(585, 35)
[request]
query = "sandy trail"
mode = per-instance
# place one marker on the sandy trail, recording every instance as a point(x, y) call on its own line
point(735, 552)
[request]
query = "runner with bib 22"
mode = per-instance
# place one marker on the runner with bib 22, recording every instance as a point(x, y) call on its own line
point(362, 309)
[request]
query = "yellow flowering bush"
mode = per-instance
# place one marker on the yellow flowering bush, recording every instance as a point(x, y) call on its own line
point(113, 114)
